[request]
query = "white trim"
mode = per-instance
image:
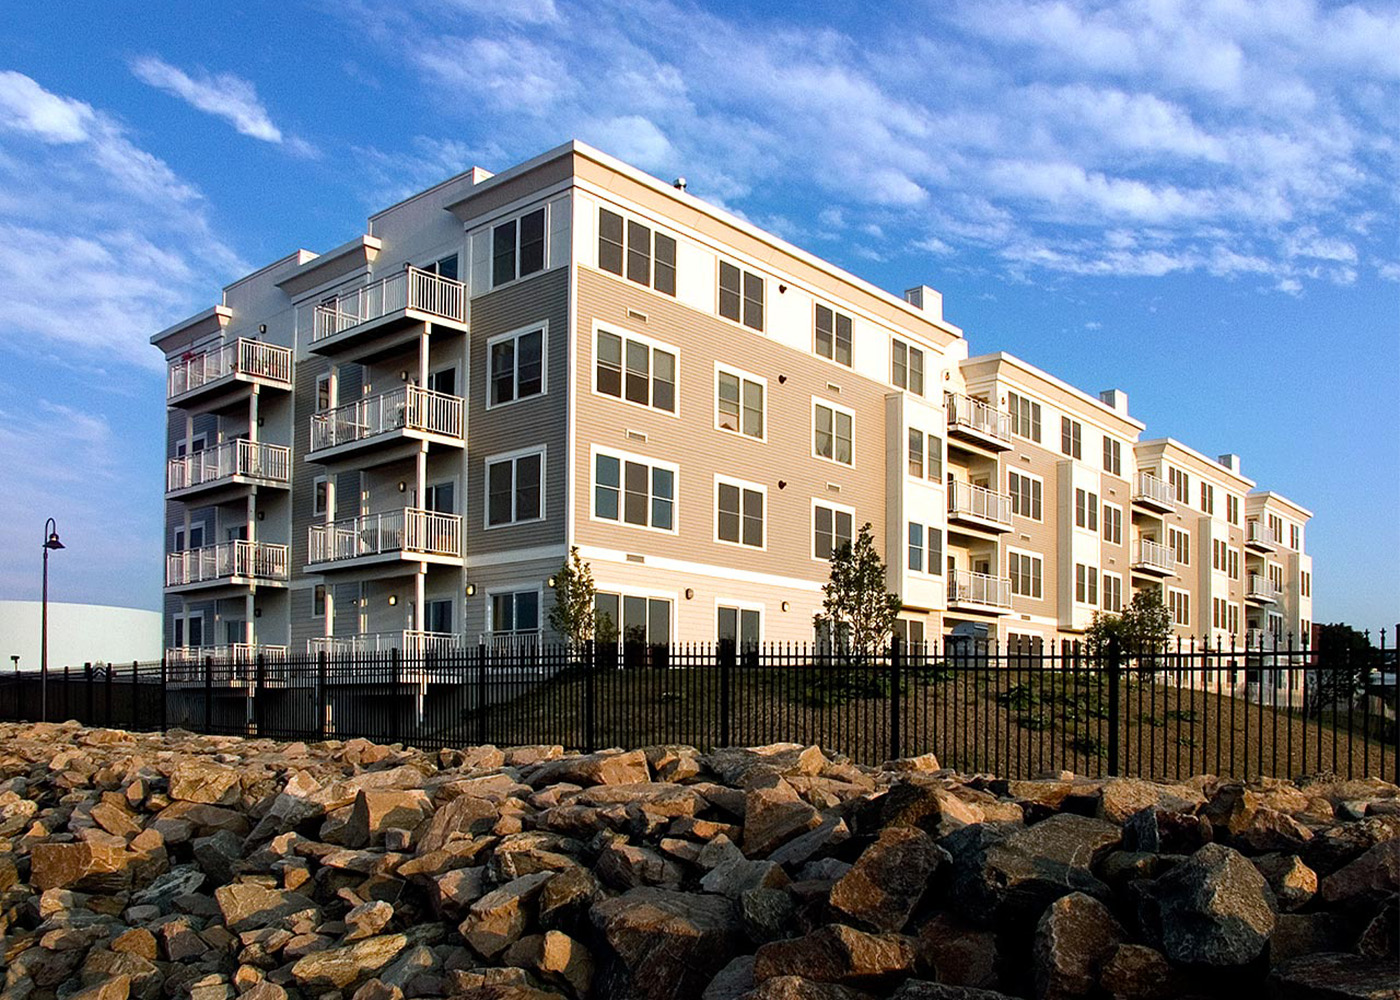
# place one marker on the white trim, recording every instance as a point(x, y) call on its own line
point(835, 408)
point(739, 605)
point(1171, 544)
point(652, 344)
point(627, 215)
point(812, 526)
point(539, 205)
point(666, 563)
point(188, 442)
point(741, 485)
point(1038, 557)
point(1186, 594)
point(571, 396)
point(651, 463)
point(923, 393)
point(511, 456)
point(1012, 493)
point(743, 376)
point(537, 588)
point(543, 328)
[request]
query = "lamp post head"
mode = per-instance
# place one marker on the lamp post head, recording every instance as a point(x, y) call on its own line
point(51, 535)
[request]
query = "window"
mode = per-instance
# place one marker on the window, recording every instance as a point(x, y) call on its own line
point(741, 626)
point(515, 489)
point(1071, 437)
point(1219, 613)
point(441, 498)
point(739, 400)
point(1305, 584)
point(1219, 555)
point(1179, 604)
point(1180, 484)
point(925, 549)
point(916, 453)
point(1112, 524)
point(916, 547)
point(324, 397)
point(634, 492)
point(740, 296)
point(740, 514)
point(1232, 563)
point(1112, 456)
point(834, 335)
point(650, 258)
point(1207, 498)
point(517, 366)
point(1276, 528)
point(1025, 416)
point(1295, 537)
point(517, 248)
point(1025, 571)
point(1112, 592)
point(1025, 495)
point(833, 434)
point(935, 458)
point(1086, 584)
point(1180, 543)
point(831, 530)
point(1276, 576)
point(907, 364)
point(635, 370)
point(320, 496)
point(515, 612)
point(1086, 510)
point(443, 267)
point(1232, 508)
point(318, 601)
point(437, 616)
point(444, 380)
point(644, 620)
point(1232, 619)
point(196, 539)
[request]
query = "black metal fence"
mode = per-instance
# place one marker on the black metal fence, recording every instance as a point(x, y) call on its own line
point(1016, 711)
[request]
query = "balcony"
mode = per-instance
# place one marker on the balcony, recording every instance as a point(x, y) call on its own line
point(231, 464)
point(228, 564)
point(978, 507)
point(1258, 638)
point(1261, 590)
point(373, 320)
point(408, 642)
point(221, 373)
point(1258, 537)
point(979, 592)
point(1152, 493)
point(975, 421)
point(409, 535)
point(388, 426)
point(1153, 557)
point(234, 665)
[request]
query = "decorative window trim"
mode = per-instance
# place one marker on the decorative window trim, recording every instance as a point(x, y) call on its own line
point(837, 316)
point(1035, 557)
point(1117, 537)
point(543, 328)
point(652, 345)
point(527, 587)
point(650, 463)
point(1033, 477)
point(724, 369)
point(744, 275)
point(629, 220)
point(511, 456)
point(909, 350)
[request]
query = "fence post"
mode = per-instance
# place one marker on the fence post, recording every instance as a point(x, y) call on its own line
point(1115, 667)
point(90, 696)
point(480, 693)
point(590, 666)
point(164, 717)
point(896, 743)
point(67, 694)
point(135, 693)
point(259, 679)
point(208, 693)
point(726, 650)
point(321, 707)
point(395, 677)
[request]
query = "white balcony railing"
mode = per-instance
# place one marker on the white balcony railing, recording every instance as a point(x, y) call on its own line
point(968, 500)
point(242, 357)
point(235, 559)
point(965, 587)
point(407, 408)
point(1154, 555)
point(253, 459)
point(1258, 638)
point(1148, 487)
point(408, 530)
point(409, 642)
point(966, 413)
point(1258, 533)
point(411, 288)
point(1261, 588)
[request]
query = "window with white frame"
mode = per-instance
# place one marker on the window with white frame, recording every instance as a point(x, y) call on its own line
point(1180, 543)
point(1112, 524)
point(441, 497)
point(1219, 613)
point(642, 255)
point(325, 398)
point(916, 453)
point(1086, 584)
point(1305, 584)
point(515, 612)
point(515, 488)
point(636, 370)
point(831, 530)
point(1180, 484)
point(1026, 494)
point(739, 625)
point(443, 267)
point(195, 541)
point(1207, 498)
point(1276, 528)
point(739, 513)
point(1086, 510)
point(635, 618)
point(517, 248)
point(634, 491)
point(925, 549)
point(1112, 456)
point(1232, 564)
point(832, 433)
point(1295, 537)
point(925, 456)
point(1025, 416)
point(517, 365)
point(1179, 606)
point(739, 402)
point(1026, 572)
point(1233, 619)
point(1071, 437)
point(1232, 508)
point(1219, 555)
point(907, 366)
point(833, 335)
point(1112, 592)
point(318, 601)
point(320, 496)
point(740, 295)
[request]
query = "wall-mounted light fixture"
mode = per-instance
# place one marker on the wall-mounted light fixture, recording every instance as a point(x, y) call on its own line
point(262, 328)
point(471, 590)
point(403, 376)
point(786, 606)
point(393, 599)
point(257, 612)
point(262, 514)
point(689, 593)
point(782, 289)
point(552, 582)
point(402, 486)
point(260, 421)
point(782, 379)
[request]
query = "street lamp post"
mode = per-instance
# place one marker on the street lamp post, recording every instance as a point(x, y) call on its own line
point(50, 542)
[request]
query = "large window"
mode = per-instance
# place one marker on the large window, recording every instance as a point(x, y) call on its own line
point(1025, 416)
point(644, 256)
point(831, 530)
point(1233, 564)
point(1026, 495)
point(1232, 508)
point(1207, 498)
point(1180, 543)
point(1112, 592)
point(514, 488)
point(907, 367)
point(1086, 584)
point(1026, 572)
point(1305, 584)
point(925, 549)
point(1180, 484)
point(320, 496)
point(515, 612)
point(1086, 510)
point(636, 370)
point(739, 403)
point(1112, 456)
point(832, 434)
point(739, 515)
point(1179, 605)
point(741, 626)
point(740, 295)
point(1219, 555)
point(517, 366)
point(634, 619)
point(1071, 437)
point(833, 335)
point(634, 492)
point(1113, 524)
point(517, 248)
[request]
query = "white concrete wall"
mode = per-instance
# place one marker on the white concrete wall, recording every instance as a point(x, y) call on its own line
point(78, 633)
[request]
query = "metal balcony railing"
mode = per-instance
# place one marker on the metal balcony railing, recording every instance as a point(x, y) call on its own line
point(1154, 555)
point(242, 357)
point(965, 587)
point(1258, 638)
point(1259, 534)
point(232, 458)
point(965, 499)
point(226, 560)
point(409, 530)
point(1261, 588)
point(408, 408)
point(967, 413)
point(1148, 487)
point(411, 288)
point(409, 642)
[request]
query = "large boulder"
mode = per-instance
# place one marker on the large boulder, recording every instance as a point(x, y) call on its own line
point(1212, 909)
point(377, 810)
point(1334, 976)
point(247, 907)
point(667, 944)
point(497, 919)
point(1075, 934)
point(1119, 798)
point(337, 968)
point(1137, 972)
point(773, 814)
point(465, 816)
point(608, 768)
point(1294, 883)
point(1366, 882)
point(835, 953)
point(83, 867)
point(888, 879)
point(203, 781)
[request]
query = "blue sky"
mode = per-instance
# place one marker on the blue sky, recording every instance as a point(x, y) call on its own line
point(1193, 201)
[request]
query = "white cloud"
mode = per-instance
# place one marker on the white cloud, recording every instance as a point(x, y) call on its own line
point(634, 139)
point(27, 107)
point(222, 95)
point(519, 11)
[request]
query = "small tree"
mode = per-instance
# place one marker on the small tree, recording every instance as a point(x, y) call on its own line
point(856, 607)
point(1141, 629)
point(1344, 657)
point(572, 615)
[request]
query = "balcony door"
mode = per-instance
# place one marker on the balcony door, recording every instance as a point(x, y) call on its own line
point(437, 617)
point(443, 381)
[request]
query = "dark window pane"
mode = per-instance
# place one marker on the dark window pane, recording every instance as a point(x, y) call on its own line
point(825, 334)
point(610, 364)
point(503, 371)
point(532, 242)
point(637, 495)
point(729, 624)
point(658, 622)
point(664, 280)
point(503, 612)
point(531, 363)
point(753, 300)
point(728, 512)
point(447, 267)
point(824, 528)
point(843, 339)
point(609, 241)
point(503, 253)
point(753, 518)
point(638, 372)
point(753, 409)
point(527, 487)
point(606, 487)
point(916, 371)
point(527, 611)
point(663, 491)
point(663, 384)
point(728, 402)
point(638, 253)
point(634, 619)
point(605, 611)
point(729, 291)
point(499, 490)
point(843, 529)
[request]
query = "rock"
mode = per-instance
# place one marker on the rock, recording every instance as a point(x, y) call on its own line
point(179, 881)
point(773, 814)
point(1298, 934)
point(1159, 830)
point(264, 991)
point(1231, 808)
point(1213, 909)
point(454, 891)
point(218, 854)
point(1119, 798)
point(115, 820)
point(737, 765)
point(1381, 938)
point(1334, 977)
point(497, 919)
point(83, 867)
point(465, 815)
point(368, 919)
point(565, 901)
point(797, 988)
point(246, 906)
point(830, 833)
point(918, 803)
point(919, 989)
point(888, 879)
point(376, 989)
point(180, 939)
point(1337, 846)
point(1366, 882)
point(377, 810)
point(669, 944)
point(339, 967)
point(736, 876)
point(593, 769)
point(732, 982)
point(136, 941)
point(201, 781)
point(116, 988)
point(835, 953)
point(958, 954)
point(558, 958)
point(922, 764)
point(1137, 972)
point(766, 914)
point(626, 866)
point(1075, 934)
point(1294, 884)
point(1271, 830)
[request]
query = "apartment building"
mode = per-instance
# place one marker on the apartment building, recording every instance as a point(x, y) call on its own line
point(394, 443)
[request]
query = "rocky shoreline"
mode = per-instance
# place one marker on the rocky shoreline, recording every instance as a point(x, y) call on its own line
point(149, 866)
